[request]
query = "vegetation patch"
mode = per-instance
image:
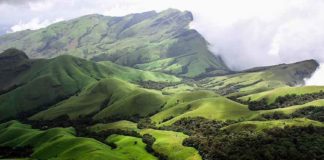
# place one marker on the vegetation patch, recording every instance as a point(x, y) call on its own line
point(287, 139)
point(284, 101)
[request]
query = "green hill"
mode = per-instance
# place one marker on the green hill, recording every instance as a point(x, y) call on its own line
point(171, 144)
point(261, 79)
point(42, 83)
point(219, 108)
point(260, 126)
point(56, 143)
point(109, 98)
point(271, 95)
point(149, 41)
point(133, 147)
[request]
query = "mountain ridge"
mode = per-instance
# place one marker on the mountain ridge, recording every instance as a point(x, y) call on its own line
point(154, 41)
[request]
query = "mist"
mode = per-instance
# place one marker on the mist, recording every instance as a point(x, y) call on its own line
point(317, 78)
point(245, 33)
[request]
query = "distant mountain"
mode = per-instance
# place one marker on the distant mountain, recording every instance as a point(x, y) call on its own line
point(261, 78)
point(148, 41)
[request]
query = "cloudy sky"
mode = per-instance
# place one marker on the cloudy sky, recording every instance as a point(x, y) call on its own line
point(246, 33)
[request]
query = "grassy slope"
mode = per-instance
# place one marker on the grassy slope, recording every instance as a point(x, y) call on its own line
point(167, 142)
point(179, 88)
point(150, 41)
point(123, 125)
point(261, 79)
point(108, 97)
point(184, 97)
point(291, 109)
point(131, 74)
point(219, 108)
point(46, 82)
point(273, 94)
point(259, 126)
point(170, 143)
point(56, 143)
point(132, 147)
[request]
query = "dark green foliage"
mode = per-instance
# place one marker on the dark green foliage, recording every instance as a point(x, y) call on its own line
point(149, 141)
point(259, 105)
point(311, 112)
point(12, 63)
point(276, 115)
point(80, 125)
point(198, 125)
point(291, 143)
point(145, 123)
point(168, 118)
point(156, 85)
point(314, 113)
point(17, 152)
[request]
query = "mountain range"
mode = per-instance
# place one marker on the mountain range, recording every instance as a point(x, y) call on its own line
point(146, 86)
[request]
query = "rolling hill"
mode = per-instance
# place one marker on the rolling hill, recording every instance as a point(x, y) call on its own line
point(40, 83)
point(107, 99)
point(261, 79)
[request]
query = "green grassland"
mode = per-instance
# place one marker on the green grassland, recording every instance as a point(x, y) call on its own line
point(170, 143)
point(138, 103)
point(132, 147)
point(261, 79)
point(292, 109)
point(60, 143)
point(56, 143)
point(179, 88)
point(107, 98)
point(46, 82)
point(184, 97)
point(271, 95)
point(219, 108)
point(259, 126)
point(123, 125)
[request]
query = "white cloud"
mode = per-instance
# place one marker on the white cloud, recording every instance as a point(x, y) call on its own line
point(317, 78)
point(39, 6)
point(33, 24)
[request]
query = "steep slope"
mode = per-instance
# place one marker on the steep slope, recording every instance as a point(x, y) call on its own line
point(150, 41)
point(12, 63)
point(34, 84)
